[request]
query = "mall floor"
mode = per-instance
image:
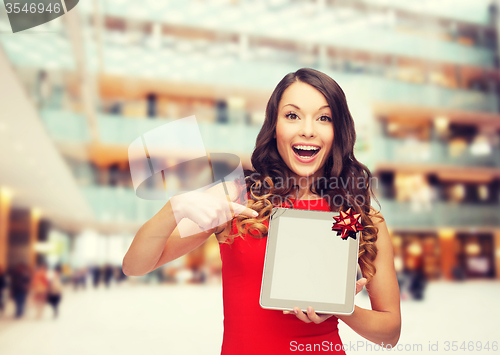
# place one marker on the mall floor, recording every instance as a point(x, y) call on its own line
point(137, 319)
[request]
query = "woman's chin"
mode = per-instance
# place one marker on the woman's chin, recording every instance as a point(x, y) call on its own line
point(305, 173)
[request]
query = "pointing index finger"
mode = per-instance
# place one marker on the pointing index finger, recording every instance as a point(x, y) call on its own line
point(240, 209)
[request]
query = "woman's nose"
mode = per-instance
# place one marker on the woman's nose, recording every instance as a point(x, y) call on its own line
point(307, 128)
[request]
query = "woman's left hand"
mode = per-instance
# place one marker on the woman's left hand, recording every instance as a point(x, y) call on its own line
point(311, 316)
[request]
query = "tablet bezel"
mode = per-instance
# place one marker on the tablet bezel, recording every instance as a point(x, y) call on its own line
point(267, 302)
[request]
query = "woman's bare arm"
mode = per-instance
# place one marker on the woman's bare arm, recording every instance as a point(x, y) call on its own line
point(159, 241)
point(381, 324)
point(149, 242)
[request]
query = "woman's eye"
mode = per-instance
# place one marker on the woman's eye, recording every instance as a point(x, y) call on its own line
point(325, 119)
point(292, 116)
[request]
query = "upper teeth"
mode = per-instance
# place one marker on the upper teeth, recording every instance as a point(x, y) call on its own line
point(306, 147)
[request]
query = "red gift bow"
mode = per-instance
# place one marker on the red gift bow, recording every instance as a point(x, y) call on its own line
point(346, 224)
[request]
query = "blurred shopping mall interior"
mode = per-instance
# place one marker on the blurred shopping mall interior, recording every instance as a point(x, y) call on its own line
point(421, 77)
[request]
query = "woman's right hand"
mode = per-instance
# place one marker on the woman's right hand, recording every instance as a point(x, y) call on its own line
point(207, 210)
point(192, 214)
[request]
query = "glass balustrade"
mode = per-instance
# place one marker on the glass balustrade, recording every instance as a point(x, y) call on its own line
point(436, 152)
point(121, 204)
point(439, 214)
point(330, 27)
point(73, 127)
point(240, 139)
point(114, 204)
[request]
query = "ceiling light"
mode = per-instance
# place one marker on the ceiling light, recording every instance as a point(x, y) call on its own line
point(6, 193)
point(36, 212)
point(446, 233)
point(415, 249)
point(472, 249)
point(441, 123)
point(392, 126)
point(480, 146)
point(483, 192)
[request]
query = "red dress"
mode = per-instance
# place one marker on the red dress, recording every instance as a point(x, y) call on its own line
point(250, 329)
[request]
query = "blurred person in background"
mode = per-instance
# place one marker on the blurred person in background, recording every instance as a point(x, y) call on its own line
point(19, 287)
point(120, 276)
point(168, 274)
point(199, 275)
point(80, 279)
point(40, 288)
point(3, 285)
point(66, 273)
point(308, 134)
point(402, 276)
point(55, 290)
point(458, 273)
point(96, 275)
point(108, 272)
point(417, 284)
point(43, 89)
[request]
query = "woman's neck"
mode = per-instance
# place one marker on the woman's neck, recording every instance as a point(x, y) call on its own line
point(304, 183)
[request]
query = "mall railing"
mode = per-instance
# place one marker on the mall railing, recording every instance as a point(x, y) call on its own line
point(72, 127)
point(232, 138)
point(414, 215)
point(66, 125)
point(360, 83)
point(471, 11)
point(331, 26)
point(433, 151)
point(114, 204)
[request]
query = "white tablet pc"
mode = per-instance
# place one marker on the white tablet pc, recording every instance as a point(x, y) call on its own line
point(308, 264)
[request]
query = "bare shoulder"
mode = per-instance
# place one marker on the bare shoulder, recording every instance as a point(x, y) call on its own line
point(383, 288)
point(384, 240)
point(377, 217)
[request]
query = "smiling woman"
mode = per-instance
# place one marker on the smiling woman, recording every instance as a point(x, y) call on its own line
point(304, 148)
point(304, 130)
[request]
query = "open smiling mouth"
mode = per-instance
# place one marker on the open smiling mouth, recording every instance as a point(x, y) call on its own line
point(306, 151)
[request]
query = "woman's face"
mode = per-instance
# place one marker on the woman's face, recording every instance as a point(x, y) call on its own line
point(304, 130)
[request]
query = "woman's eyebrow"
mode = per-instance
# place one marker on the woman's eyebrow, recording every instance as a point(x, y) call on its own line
point(298, 108)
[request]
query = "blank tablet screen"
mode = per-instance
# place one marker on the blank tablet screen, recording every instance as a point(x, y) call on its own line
point(308, 264)
point(302, 249)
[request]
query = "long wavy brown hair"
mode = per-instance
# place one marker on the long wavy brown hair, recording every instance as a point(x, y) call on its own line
point(346, 182)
